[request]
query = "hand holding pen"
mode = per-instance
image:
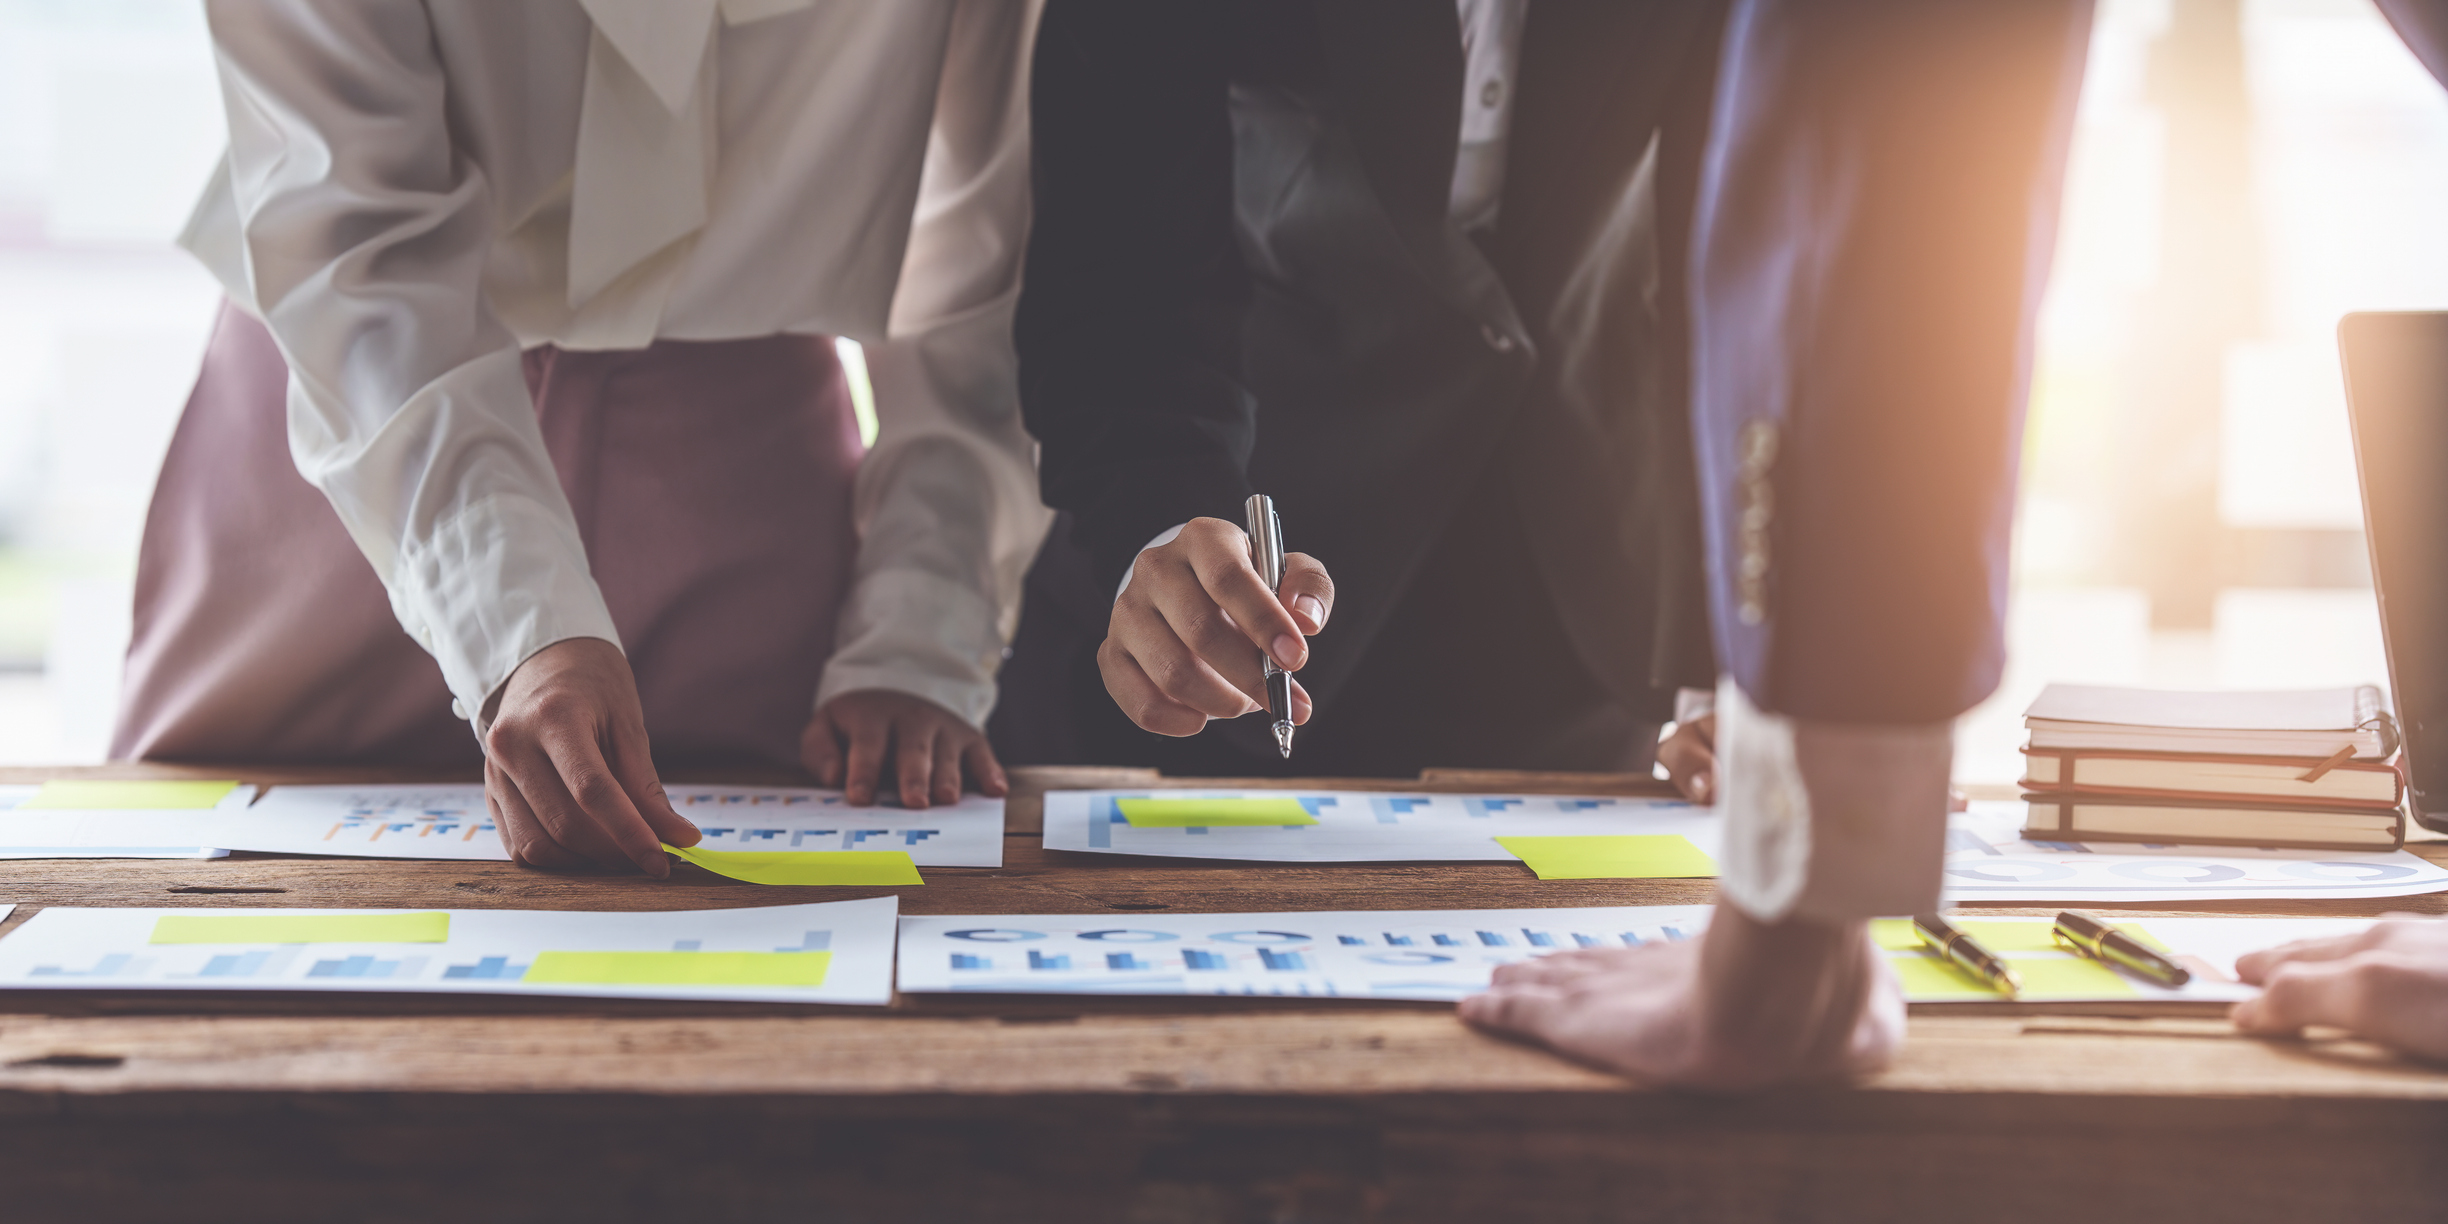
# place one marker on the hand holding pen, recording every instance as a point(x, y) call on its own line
point(1190, 628)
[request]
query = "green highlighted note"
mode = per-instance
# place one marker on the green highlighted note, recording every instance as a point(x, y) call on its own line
point(681, 968)
point(868, 867)
point(64, 795)
point(1212, 813)
point(1648, 856)
point(397, 926)
point(1928, 979)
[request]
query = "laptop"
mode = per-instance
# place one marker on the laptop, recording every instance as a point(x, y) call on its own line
point(2397, 397)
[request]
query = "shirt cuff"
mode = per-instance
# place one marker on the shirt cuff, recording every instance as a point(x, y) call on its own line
point(1830, 821)
point(1164, 537)
point(917, 633)
point(1694, 703)
point(492, 585)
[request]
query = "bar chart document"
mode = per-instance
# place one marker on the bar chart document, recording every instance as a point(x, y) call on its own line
point(1443, 955)
point(105, 825)
point(1988, 861)
point(834, 952)
point(1350, 826)
point(1390, 954)
point(451, 822)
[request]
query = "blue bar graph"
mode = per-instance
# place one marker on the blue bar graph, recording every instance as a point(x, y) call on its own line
point(1397, 941)
point(238, 964)
point(1039, 960)
point(911, 837)
point(354, 967)
point(804, 834)
point(488, 969)
point(1273, 959)
point(1586, 941)
point(1447, 941)
point(1538, 939)
point(105, 967)
point(1491, 939)
point(1197, 959)
point(812, 941)
point(1488, 807)
point(1351, 941)
point(1124, 960)
point(761, 834)
point(1673, 933)
point(1631, 940)
point(964, 960)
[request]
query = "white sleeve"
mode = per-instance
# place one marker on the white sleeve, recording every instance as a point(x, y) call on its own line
point(947, 506)
point(363, 236)
point(1830, 821)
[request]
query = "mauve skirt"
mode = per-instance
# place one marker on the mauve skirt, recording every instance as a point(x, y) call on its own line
point(711, 482)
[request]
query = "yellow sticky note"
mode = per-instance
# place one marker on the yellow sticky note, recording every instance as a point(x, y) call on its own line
point(397, 926)
point(2069, 977)
point(807, 866)
point(1212, 813)
point(1895, 934)
point(2007, 937)
point(62, 795)
point(1928, 979)
point(681, 968)
point(1648, 856)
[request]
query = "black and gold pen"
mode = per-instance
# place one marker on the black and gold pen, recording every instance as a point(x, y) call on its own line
point(2093, 937)
point(1965, 953)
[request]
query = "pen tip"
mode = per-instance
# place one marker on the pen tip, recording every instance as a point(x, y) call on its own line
point(1283, 739)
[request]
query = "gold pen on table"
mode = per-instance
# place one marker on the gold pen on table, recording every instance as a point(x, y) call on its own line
point(1267, 555)
point(1966, 953)
point(2092, 936)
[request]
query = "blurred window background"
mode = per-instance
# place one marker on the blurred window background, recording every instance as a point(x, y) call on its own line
point(2244, 172)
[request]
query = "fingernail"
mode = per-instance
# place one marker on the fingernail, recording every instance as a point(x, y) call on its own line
point(1308, 605)
point(1287, 651)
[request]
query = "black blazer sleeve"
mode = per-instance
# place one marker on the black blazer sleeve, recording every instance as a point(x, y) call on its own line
point(1129, 316)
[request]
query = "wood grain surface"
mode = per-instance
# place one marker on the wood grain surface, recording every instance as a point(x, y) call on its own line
point(316, 1107)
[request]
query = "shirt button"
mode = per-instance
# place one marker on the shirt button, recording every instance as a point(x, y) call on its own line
point(458, 710)
point(1496, 338)
point(1491, 93)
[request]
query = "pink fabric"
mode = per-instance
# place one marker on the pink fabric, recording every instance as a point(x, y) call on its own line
point(711, 482)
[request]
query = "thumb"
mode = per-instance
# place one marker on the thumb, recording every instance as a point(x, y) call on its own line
point(819, 751)
point(1307, 591)
point(633, 767)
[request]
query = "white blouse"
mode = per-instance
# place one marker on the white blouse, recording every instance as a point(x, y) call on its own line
point(415, 191)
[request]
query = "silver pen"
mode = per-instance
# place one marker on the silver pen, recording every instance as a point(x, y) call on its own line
point(1267, 554)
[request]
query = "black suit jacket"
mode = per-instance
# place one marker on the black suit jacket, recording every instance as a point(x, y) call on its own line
point(1242, 277)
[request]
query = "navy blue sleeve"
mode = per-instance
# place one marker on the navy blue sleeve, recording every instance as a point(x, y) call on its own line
point(1876, 215)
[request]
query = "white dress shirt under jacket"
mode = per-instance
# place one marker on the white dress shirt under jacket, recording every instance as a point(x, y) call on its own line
point(415, 191)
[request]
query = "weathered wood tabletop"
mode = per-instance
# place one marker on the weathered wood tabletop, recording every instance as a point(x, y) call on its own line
point(370, 1107)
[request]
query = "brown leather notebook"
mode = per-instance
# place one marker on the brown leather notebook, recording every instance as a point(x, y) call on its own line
point(2094, 818)
point(2211, 778)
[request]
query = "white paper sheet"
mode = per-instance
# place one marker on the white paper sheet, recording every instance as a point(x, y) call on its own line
point(1392, 954)
point(451, 822)
point(169, 833)
point(488, 952)
point(1434, 955)
point(1989, 863)
point(1369, 826)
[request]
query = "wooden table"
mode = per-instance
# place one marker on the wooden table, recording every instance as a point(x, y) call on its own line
point(365, 1107)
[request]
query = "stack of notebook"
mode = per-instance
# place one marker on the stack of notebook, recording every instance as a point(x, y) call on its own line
point(2308, 769)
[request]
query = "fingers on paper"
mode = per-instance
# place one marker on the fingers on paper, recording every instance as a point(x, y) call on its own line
point(529, 844)
point(913, 760)
point(1528, 1008)
point(820, 749)
point(984, 769)
point(1690, 758)
point(2352, 993)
